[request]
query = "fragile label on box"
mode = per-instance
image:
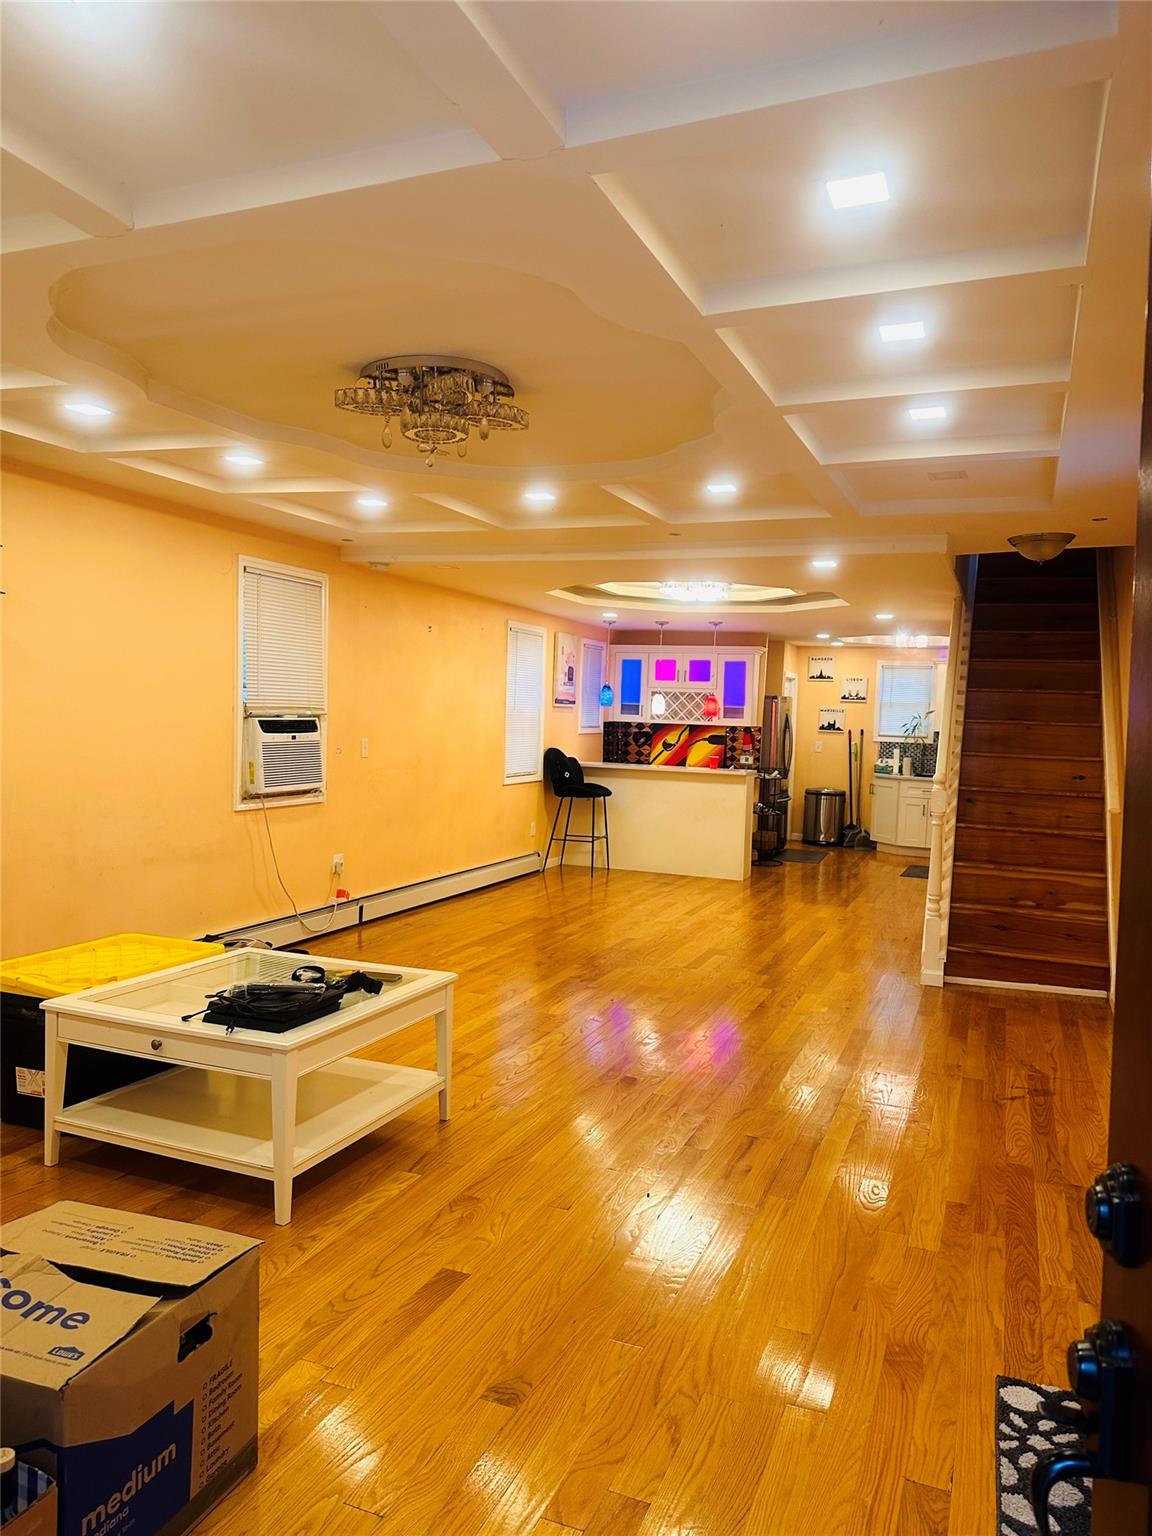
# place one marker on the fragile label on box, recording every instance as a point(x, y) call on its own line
point(30, 1082)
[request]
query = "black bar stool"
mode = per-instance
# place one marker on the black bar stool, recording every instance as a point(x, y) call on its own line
point(568, 783)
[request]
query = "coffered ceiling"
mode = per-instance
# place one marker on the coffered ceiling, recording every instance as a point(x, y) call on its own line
point(215, 213)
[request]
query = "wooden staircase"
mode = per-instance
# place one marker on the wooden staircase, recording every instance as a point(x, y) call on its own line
point(1029, 900)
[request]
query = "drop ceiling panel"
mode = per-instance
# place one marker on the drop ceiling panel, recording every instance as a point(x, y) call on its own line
point(158, 95)
point(997, 332)
point(762, 213)
point(1007, 414)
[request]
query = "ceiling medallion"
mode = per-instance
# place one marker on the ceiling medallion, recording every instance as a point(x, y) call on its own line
point(438, 401)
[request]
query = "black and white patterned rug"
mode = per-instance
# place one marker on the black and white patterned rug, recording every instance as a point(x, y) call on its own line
point(1030, 1422)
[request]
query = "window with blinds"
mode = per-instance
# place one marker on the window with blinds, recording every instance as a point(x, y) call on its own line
point(591, 682)
point(283, 639)
point(524, 704)
point(903, 690)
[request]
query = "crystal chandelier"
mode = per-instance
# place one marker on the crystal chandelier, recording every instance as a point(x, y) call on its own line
point(437, 401)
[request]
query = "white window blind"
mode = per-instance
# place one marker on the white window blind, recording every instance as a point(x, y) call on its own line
point(903, 691)
point(591, 681)
point(524, 705)
point(283, 622)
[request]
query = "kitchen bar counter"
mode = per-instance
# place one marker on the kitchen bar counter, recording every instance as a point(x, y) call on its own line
point(672, 820)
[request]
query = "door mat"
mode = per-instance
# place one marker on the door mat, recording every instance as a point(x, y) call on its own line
point(804, 855)
point(1031, 1421)
point(915, 872)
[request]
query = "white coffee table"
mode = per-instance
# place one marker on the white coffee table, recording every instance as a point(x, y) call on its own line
point(250, 1102)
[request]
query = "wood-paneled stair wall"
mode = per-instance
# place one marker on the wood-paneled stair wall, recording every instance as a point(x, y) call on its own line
point(1029, 878)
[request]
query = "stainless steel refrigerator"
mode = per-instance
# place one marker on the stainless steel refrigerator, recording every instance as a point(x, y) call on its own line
point(770, 824)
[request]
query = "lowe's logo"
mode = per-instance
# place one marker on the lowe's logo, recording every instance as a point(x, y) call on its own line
point(66, 1352)
point(36, 1310)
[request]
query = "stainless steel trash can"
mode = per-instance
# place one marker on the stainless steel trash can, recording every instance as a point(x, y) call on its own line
point(823, 816)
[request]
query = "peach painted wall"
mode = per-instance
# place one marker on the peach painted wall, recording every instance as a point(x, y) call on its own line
point(120, 663)
point(822, 761)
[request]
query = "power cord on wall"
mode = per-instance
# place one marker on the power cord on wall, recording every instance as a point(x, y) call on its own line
point(280, 879)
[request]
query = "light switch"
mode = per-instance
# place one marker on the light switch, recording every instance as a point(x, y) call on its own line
point(363, 746)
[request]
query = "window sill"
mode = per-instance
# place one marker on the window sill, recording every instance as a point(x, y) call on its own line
point(273, 802)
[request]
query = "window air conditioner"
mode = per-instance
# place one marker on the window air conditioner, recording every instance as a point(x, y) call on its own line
point(282, 755)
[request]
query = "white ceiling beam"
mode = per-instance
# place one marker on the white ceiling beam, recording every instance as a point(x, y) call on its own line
point(1035, 445)
point(647, 508)
point(70, 190)
point(902, 544)
point(955, 506)
point(1038, 378)
point(1063, 258)
point(461, 49)
point(466, 509)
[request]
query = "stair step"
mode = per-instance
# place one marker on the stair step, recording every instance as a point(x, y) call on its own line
point(1036, 589)
point(1033, 615)
point(1071, 936)
point(1026, 970)
point(1033, 890)
point(1031, 738)
point(1068, 775)
point(1050, 707)
point(1036, 645)
point(1022, 808)
point(1017, 848)
point(1035, 675)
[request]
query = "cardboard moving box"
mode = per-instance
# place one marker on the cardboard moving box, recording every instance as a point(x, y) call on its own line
point(129, 1349)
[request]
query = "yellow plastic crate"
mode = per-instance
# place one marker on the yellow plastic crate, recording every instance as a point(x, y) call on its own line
point(60, 972)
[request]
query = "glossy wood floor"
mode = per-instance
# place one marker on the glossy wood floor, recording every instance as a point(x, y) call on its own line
point(730, 1235)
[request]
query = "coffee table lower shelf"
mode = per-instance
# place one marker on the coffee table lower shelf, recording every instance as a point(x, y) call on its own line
point(225, 1121)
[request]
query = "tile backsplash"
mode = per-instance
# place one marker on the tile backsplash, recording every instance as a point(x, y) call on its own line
point(922, 753)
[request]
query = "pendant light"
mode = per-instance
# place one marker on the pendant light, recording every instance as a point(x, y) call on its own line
point(711, 702)
point(607, 697)
point(659, 703)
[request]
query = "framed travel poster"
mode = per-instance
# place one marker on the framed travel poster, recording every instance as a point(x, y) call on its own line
point(564, 683)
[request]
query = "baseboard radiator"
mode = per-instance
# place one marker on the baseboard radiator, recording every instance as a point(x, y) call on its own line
point(281, 931)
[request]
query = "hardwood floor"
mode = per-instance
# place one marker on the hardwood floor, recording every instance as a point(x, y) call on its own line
point(732, 1230)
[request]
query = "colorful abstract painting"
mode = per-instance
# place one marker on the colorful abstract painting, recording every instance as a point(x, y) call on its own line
point(690, 746)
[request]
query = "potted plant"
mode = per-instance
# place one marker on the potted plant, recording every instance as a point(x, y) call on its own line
point(915, 729)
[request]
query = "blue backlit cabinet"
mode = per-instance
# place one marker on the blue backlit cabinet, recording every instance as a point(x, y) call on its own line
point(686, 676)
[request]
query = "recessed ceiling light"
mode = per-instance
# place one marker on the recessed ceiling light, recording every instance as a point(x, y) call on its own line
point(824, 565)
point(885, 616)
point(609, 615)
point(836, 644)
point(371, 503)
point(87, 408)
point(721, 487)
point(927, 412)
point(540, 496)
point(823, 635)
point(903, 330)
point(856, 191)
point(244, 460)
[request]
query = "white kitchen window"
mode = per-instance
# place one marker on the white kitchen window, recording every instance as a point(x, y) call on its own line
point(903, 691)
point(524, 705)
point(591, 682)
point(283, 649)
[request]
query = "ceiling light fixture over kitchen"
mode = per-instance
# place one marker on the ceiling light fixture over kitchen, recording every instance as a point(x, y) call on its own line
point(607, 697)
point(540, 496)
point(658, 703)
point(90, 408)
point(244, 460)
point(883, 617)
point(438, 401)
point(824, 564)
point(721, 487)
point(857, 191)
point(927, 413)
point(372, 503)
point(903, 330)
point(823, 635)
point(695, 591)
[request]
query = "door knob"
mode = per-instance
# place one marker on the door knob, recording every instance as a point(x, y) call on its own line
point(1100, 1372)
point(1114, 1211)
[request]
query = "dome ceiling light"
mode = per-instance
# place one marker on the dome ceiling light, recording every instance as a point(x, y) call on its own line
point(1040, 547)
point(438, 401)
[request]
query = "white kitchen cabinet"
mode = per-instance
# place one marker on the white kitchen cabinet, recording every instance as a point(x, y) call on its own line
point(885, 810)
point(900, 816)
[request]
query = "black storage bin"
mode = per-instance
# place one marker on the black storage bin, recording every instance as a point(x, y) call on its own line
point(22, 1055)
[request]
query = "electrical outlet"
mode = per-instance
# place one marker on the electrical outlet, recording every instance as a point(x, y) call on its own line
point(363, 746)
point(819, 746)
point(337, 863)
point(532, 831)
